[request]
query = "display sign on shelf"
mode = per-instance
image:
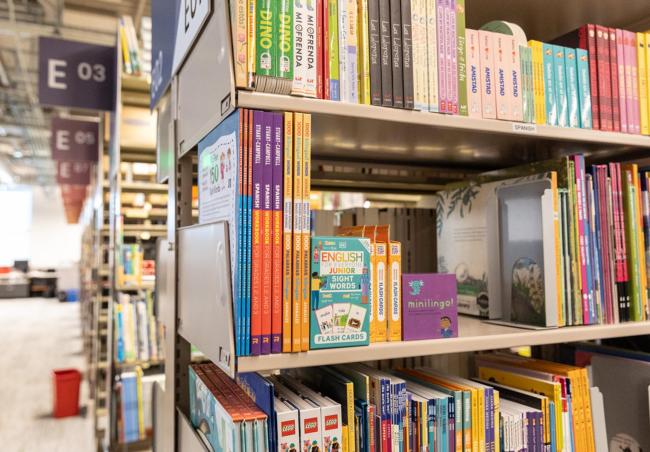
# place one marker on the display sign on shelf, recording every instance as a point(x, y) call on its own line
point(75, 140)
point(76, 74)
point(73, 173)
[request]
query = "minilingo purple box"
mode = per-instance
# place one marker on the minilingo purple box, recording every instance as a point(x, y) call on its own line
point(429, 306)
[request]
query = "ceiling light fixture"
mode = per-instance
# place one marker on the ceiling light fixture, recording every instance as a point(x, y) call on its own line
point(18, 154)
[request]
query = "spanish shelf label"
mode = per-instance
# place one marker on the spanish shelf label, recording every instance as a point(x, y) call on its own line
point(520, 127)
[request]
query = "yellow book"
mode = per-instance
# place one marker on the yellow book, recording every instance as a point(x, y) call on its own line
point(125, 51)
point(538, 81)
point(497, 414)
point(296, 300)
point(646, 104)
point(251, 43)
point(138, 386)
point(363, 52)
point(373, 293)
point(643, 82)
point(344, 440)
point(382, 291)
point(552, 390)
point(239, 38)
point(306, 235)
point(287, 257)
point(395, 291)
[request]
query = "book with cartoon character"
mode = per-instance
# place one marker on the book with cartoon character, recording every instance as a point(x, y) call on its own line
point(340, 281)
point(429, 306)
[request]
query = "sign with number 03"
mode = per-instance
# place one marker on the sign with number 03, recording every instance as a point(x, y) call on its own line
point(76, 74)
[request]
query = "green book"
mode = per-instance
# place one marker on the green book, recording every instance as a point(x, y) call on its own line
point(284, 29)
point(574, 251)
point(266, 45)
point(333, 47)
point(561, 87)
point(632, 246)
point(571, 67)
point(460, 61)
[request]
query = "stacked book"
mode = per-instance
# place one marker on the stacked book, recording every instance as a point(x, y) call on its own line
point(128, 41)
point(135, 395)
point(129, 265)
point(512, 404)
point(554, 243)
point(137, 332)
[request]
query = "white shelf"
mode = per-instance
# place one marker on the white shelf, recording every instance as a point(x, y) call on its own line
point(475, 335)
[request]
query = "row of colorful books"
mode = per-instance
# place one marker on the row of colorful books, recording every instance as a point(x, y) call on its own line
point(138, 335)
point(135, 395)
point(555, 243)
point(512, 404)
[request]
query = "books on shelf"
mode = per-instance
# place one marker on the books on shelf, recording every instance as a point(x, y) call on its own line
point(511, 404)
point(138, 335)
point(135, 412)
point(128, 41)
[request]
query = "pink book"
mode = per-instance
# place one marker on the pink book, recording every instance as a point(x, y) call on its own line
point(488, 98)
point(622, 100)
point(473, 66)
point(502, 84)
point(442, 61)
point(452, 58)
point(580, 192)
point(633, 93)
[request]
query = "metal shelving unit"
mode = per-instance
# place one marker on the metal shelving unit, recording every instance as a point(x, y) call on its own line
point(417, 152)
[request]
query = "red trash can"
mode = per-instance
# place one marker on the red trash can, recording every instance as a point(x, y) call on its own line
point(66, 392)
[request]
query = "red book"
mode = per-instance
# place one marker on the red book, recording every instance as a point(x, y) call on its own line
point(613, 65)
point(326, 52)
point(256, 234)
point(604, 78)
point(319, 50)
point(585, 38)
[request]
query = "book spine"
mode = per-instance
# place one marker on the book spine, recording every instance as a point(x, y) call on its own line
point(306, 229)
point(267, 42)
point(267, 231)
point(407, 55)
point(488, 96)
point(461, 51)
point(386, 53)
point(516, 86)
point(241, 231)
point(538, 81)
point(311, 54)
point(588, 41)
point(352, 58)
point(319, 49)
point(277, 236)
point(620, 75)
point(570, 65)
point(527, 112)
point(580, 207)
point(325, 50)
point(642, 83)
point(257, 253)
point(432, 54)
point(441, 31)
point(631, 59)
point(395, 275)
point(645, 103)
point(287, 259)
point(613, 66)
point(372, 293)
point(560, 87)
point(296, 319)
point(549, 85)
point(364, 53)
point(250, 155)
point(502, 70)
point(240, 44)
point(584, 95)
point(299, 49)
point(285, 45)
point(374, 52)
point(416, 51)
point(631, 231)
point(396, 53)
point(452, 58)
point(473, 63)
point(333, 48)
point(382, 277)
point(343, 52)
point(604, 79)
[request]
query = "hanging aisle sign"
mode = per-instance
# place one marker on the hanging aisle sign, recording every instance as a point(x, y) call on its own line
point(76, 74)
point(73, 173)
point(169, 50)
point(75, 140)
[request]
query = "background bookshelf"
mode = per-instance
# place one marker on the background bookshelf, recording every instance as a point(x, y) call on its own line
point(417, 152)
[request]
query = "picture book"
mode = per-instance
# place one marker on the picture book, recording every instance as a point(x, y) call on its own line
point(339, 292)
point(429, 306)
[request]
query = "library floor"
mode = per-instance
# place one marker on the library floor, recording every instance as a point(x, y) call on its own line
point(38, 335)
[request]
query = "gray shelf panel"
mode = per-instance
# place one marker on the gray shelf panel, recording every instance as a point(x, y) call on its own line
point(189, 439)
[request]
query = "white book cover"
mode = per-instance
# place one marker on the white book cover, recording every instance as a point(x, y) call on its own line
point(310, 49)
point(473, 65)
point(516, 97)
point(309, 417)
point(344, 84)
point(488, 95)
point(287, 427)
point(352, 63)
point(503, 46)
point(143, 331)
point(299, 47)
point(419, 63)
point(432, 55)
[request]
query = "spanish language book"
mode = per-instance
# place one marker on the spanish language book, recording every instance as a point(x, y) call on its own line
point(429, 306)
point(340, 283)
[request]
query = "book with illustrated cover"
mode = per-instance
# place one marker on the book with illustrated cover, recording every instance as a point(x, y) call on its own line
point(339, 292)
point(429, 306)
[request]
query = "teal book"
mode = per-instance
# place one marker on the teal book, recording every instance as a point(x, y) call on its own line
point(526, 69)
point(584, 88)
point(340, 283)
point(571, 69)
point(549, 84)
point(561, 87)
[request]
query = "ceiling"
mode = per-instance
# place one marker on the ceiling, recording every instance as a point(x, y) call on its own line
point(24, 124)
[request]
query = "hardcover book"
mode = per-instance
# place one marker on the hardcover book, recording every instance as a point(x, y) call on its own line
point(560, 87)
point(584, 94)
point(571, 69)
point(340, 283)
point(430, 308)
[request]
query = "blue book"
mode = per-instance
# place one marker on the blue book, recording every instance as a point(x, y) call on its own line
point(262, 392)
point(551, 409)
point(549, 84)
point(120, 337)
point(571, 68)
point(561, 87)
point(584, 88)
point(248, 247)
point(596, 249)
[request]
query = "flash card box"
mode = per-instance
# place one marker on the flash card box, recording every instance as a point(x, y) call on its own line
point(340, 288)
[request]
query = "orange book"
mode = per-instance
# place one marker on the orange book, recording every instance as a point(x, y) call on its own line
point(381, 256)
point(395, 291)
point(296, 299)
point(287, 258)
point(305, 251)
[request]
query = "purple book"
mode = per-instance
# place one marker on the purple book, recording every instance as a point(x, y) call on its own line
point(429, 306)
point(277, 233)
point(442, 61)
point(267, 215)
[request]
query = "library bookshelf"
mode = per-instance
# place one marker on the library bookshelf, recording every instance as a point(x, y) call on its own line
point(419, 152)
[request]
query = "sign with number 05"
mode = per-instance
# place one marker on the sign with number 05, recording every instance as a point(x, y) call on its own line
point(74, 140)
point(76, 74)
